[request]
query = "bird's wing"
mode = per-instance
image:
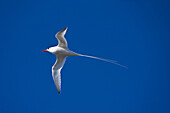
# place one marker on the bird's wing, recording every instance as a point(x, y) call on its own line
point(61, 39)
point(56, 71)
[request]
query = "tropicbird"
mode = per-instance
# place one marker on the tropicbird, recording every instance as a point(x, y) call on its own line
point(62, 51)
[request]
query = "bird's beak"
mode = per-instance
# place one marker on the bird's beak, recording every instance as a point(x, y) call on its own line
point(44, 50)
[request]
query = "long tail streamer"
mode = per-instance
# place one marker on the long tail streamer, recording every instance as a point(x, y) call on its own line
point(106, 60)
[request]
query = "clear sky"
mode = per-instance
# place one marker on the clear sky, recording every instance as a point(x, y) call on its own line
point(133, 32)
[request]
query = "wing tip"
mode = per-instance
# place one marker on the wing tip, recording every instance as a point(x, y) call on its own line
point(64, 29)
point(59, 92)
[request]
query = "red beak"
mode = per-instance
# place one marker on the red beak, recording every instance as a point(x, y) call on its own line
point(44, 50)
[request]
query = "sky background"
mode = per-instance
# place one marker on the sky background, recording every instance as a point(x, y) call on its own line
point(133, 32)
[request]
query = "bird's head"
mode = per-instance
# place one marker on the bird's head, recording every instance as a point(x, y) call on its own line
point(51, 50)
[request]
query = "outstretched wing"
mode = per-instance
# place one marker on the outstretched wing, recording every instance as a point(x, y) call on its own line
point(61, 39)
point(56, 71)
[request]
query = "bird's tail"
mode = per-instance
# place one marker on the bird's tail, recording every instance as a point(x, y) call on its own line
point(106, 60)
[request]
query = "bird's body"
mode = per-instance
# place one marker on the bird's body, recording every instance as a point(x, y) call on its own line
point(62, 51)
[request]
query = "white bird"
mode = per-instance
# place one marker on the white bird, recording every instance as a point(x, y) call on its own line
point(62, 51)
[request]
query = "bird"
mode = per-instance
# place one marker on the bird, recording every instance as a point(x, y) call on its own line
point(62, 51)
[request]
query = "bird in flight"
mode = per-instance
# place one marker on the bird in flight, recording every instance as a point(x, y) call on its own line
point(62, 51)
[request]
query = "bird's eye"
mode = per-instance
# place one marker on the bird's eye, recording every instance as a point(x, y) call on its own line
point(47, 48)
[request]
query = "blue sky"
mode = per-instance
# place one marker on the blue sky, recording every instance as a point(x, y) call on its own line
point(133, 32)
